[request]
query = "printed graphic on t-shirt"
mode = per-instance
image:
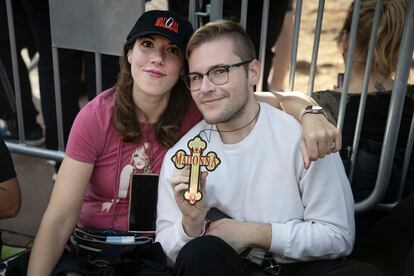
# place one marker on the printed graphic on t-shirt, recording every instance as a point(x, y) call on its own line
point(140, 163)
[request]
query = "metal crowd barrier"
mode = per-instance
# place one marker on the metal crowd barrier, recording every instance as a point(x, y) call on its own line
point(86, 17)
point(394, 114)
point(295, 42)
point(79, 18)
point(398, 94)
point(364, 94)
point(74, 17)
point(16, 78)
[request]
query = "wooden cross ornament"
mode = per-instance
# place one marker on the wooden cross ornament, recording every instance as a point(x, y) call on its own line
point(196, 160)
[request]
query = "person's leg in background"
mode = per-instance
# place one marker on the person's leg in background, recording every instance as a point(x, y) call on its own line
point(69, 66)
point(179, 6)
point(281, 53)
point(24, 39)
point(77, 69)
point(31, 127)
point(70, 69)
point(38, 18)
point(276, 27)
point(110, 70)
point(277, 11)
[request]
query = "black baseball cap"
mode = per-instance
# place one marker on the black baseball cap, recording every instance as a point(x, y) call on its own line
point(166, 23)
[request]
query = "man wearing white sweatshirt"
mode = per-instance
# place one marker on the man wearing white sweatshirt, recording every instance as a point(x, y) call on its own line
point(275, 206)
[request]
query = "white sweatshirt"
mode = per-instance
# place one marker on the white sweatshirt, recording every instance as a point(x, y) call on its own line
point(262, 179)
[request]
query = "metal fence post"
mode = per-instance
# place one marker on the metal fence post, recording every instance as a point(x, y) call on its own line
point(16, 76)
point(216, 11)
point(350, 54)
point(394, 113)
point(295, 42)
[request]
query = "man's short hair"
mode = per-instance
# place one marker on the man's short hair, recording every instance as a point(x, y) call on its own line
point(242, 46)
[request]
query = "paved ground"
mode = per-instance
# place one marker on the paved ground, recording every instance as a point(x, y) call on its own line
point(35, 177)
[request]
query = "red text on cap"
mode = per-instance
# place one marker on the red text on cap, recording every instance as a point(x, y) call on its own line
point(167, 23)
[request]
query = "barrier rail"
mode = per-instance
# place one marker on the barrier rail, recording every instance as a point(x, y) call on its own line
point(394, 113)
point(16, 78)
point(370, 59)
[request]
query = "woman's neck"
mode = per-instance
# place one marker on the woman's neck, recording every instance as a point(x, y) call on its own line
point(377, 82)
point(150, 108)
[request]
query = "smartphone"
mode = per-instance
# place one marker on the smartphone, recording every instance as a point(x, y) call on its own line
point(143, 194)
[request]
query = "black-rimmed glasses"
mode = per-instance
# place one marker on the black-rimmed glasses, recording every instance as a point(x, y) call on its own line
point(218, 75)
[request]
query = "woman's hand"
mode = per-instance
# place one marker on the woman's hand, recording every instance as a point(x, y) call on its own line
point(319, 138)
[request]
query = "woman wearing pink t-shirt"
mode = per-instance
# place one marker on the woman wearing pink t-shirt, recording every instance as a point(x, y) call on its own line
point(127, 130)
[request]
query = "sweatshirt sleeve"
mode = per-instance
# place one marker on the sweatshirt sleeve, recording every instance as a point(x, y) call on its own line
point(327, 230)
point(86, 137)
point(169, 229)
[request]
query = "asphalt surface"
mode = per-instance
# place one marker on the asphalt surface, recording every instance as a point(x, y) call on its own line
point(35, 179)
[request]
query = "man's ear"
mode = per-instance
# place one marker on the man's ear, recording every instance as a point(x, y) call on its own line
point(254, 72)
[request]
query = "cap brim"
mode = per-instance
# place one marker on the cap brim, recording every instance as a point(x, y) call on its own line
point(152, 32)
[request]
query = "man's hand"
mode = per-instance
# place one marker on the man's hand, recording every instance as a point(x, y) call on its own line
point(193, 215)
point(241, 235)
point(319, 137)
point(231, 231)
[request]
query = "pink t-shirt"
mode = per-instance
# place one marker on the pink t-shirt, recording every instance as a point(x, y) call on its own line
point(94, 140)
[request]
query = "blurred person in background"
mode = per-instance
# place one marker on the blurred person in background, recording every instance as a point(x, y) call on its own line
point(279, 34)
point(381, 83)
point(76, 68)
point(387, 243)
point(10, 196)
point(24, 39)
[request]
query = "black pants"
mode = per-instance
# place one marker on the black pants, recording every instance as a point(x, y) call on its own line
point(209, 255)
point(389, 245)
point(141, 260)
